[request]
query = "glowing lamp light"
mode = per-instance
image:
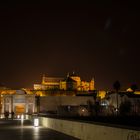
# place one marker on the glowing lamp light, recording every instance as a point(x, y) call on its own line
point(83, 110)
point(22, 116)
point(18, 116)
point(36, 122)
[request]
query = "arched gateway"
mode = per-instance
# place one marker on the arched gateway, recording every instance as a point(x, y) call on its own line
point(19, 103)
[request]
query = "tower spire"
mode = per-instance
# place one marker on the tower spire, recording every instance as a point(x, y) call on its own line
point(43, 79)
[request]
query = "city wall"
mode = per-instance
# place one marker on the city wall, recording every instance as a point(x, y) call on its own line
point(90, 131)
point(51, 103)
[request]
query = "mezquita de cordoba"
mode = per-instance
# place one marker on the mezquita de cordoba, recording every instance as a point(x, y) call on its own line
point(71, 82)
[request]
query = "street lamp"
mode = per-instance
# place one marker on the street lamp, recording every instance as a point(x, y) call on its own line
point(36, 122)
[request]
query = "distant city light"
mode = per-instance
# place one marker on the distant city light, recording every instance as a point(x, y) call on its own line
point(83, 110)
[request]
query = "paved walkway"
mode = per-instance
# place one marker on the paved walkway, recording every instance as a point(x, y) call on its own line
point(16, 130)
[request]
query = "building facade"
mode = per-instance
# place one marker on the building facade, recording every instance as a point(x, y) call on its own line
point(71, 82)
point(19, 103)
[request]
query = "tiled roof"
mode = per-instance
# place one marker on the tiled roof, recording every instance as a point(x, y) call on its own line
point(52, 79)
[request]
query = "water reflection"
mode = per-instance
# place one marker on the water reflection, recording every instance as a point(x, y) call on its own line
point(36, 133)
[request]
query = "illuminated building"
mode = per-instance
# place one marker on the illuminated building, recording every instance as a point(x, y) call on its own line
point(71, 82)
point(68, 84)
point(17, 101)
point(48, 83)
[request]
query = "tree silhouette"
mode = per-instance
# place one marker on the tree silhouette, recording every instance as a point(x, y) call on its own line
point(134, 87)
point(97, 104)
point(125, 108)
point(117, 87)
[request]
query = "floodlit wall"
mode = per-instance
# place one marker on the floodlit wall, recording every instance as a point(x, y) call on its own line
point(88, 131)
point(51, 103)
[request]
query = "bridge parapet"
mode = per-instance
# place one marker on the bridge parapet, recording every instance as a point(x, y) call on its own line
point(90, 131)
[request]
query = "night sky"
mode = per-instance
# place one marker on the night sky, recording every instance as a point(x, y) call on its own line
point(94, 40)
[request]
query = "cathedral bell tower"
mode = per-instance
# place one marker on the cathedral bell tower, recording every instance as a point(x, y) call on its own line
point(43, 79)
point(92, 84)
